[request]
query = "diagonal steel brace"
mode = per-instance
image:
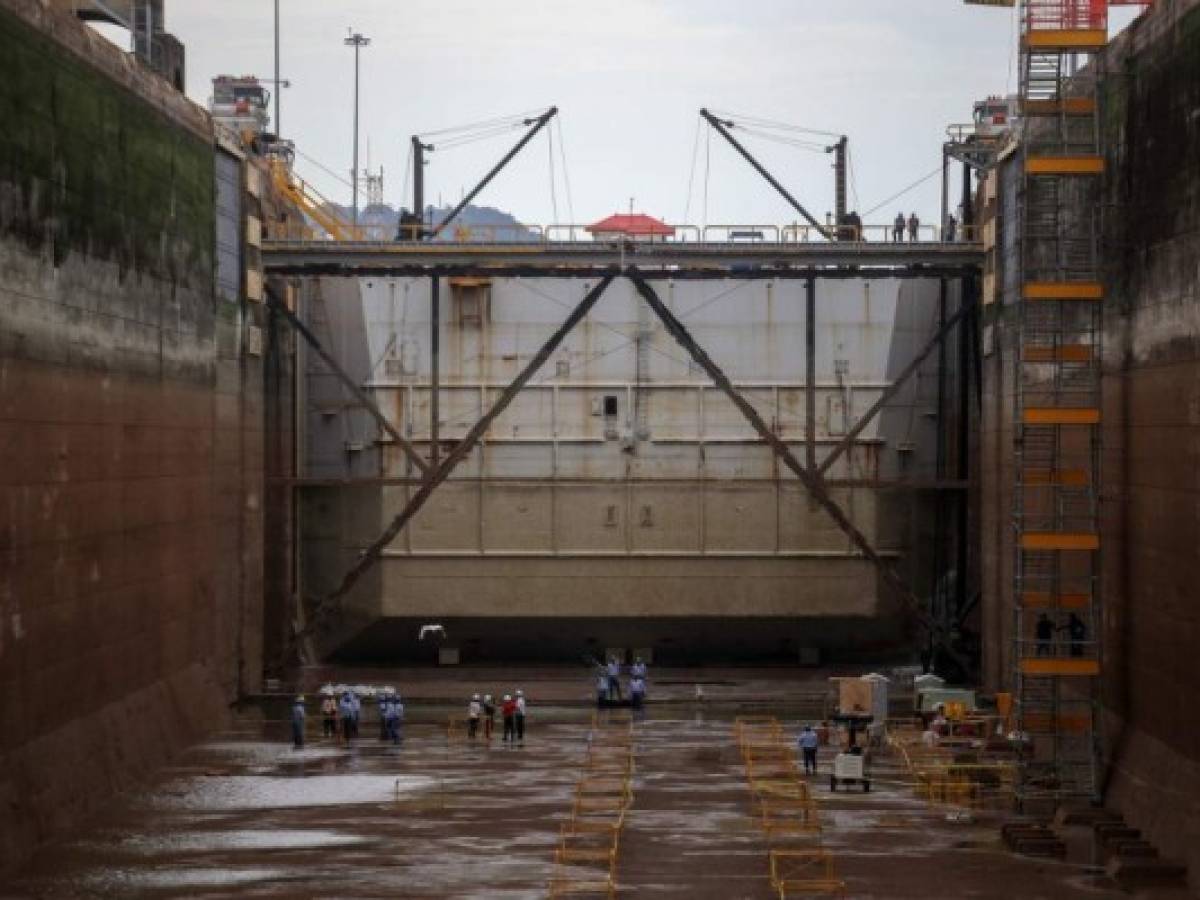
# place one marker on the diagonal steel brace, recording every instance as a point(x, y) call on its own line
point(813, 482)
point(892, 390)
point(371, 555)
point(359, 394)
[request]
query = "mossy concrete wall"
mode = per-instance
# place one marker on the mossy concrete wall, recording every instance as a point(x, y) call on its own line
point(130, 432)
point(1151, 501)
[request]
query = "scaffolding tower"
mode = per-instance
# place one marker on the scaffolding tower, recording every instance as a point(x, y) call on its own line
point(1057, 632)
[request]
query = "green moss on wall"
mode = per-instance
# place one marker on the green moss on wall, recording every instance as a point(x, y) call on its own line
point(91, 168)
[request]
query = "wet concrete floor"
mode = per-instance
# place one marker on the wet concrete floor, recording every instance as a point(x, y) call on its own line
point(246, 815)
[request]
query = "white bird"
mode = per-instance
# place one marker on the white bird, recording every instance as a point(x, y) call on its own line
point(439, 630)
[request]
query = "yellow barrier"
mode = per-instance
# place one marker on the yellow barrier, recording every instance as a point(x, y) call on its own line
point(805, 873)
point(582, 887)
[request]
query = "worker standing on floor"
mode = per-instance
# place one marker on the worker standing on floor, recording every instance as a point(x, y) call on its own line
point(474, 711)
point(346, 711)
point(381, 701)
point(637, 691)
point(520, 717)
point(808, 742)
point(395, 717)
point(614, 680)
point(508, 712)
point(489, 716)
point(298, 715)
point(602, 689)
point(328, 716)
point(638, 669)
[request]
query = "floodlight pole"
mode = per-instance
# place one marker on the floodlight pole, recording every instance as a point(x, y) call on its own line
point(357, 41)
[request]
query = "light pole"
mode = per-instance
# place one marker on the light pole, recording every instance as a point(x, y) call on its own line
point(278, 85)
point(357, 41)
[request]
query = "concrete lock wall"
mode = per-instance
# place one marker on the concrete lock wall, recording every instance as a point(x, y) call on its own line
point(130, 440)
point(1150, 500)
point(620, 489)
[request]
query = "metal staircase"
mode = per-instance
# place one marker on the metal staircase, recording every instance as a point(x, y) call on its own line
point(1057, 658)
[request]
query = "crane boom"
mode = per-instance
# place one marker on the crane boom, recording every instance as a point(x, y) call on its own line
point(722, 128)
point(538, 123)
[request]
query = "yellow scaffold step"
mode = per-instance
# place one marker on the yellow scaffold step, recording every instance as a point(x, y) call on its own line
point(1060, 540)
point(1046, 600)
point(1063, 723)
point(1065, 165)
point(1075, 667)
point(1067, 106)
point(1064, 353)
point(1061, 415)
point(1065, 39)
point(1066, 477)
point(1063, 290)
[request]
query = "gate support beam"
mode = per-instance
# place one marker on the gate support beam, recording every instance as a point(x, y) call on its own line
point(810, 373)
point(812, 481)
point(892, 390)
point(359, 394)
point(371, 555)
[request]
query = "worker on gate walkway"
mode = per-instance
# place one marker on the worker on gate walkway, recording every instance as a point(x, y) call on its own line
point(614, 680)
point(489, 716)
point(808, 743)
point(520, 717)
point(474, 711)
point(602, 689)
point(508, 712)
point(298, 723)
point(898, 228)
point(914, 226)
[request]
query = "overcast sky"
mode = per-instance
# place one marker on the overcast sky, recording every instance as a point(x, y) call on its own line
point(628, 77)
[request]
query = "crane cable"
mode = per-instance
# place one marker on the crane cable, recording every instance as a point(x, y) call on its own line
point(553, 191)
point(920, 181)
point(562, 153)
point(742, 121)
point(499, 121)
point(687, 207)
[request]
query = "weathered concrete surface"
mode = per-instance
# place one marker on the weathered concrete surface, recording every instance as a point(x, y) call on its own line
point(246, 814)
point(130, 433)
point(1151, 414)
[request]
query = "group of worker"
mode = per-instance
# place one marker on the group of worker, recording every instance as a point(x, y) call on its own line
point(913, 225)
point(341, 713)
point(608, 683)
point(513, 710)
point(1045, 628)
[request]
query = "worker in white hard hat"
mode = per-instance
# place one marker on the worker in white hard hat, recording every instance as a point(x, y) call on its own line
point(520, 723)
point(298, 714)
point(474, 711)
point(346, 714)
